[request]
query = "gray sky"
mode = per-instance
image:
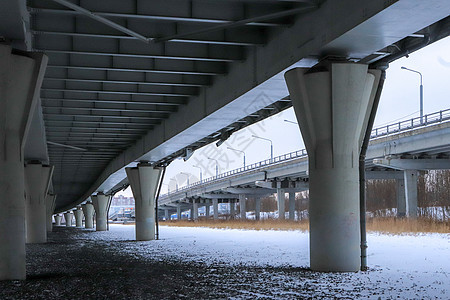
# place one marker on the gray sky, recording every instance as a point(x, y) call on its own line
point(399, 101)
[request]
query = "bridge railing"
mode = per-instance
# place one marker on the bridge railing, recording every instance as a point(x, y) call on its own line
point(429, 119)
point(413, 123)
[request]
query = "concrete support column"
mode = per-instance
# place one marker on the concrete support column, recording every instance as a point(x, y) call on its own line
point(232, 209)
point(215, 209)
point(401, 198)
point(411, 192)
point(242, 205)
point(191, 213)
point(21, 78)
point(50, 202)
point(166, 214)
point(144, 181)
point(178, 212)
point(88, 211)
point(257, 208)
point(292, 206)
point(37, 182)
point(68, 217)
point(281, 198)
point(58, 219)
point(78, 213)
point(207, 209)
point(195, 210)
point(101, 204)
point(333, 102)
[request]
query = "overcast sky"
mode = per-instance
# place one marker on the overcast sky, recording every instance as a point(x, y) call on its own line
point(399, 101)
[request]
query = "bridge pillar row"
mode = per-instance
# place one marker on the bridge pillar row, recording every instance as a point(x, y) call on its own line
point(21, 77)
point(50, 202)
point(58, 219)
point(215, 209)
point(101, 203)
point(88, 211)
point(68, 217)
point(410, 177)
point(243, 206)
point(78, 213)
point(333, 102)
point(257, 208)
point(292, 206)
point(37, 182)
point(144, 181)
point(401, 198)
point(281, 198)
point(178, 211)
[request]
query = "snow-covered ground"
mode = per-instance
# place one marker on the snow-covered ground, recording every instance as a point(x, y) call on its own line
point(406, 267)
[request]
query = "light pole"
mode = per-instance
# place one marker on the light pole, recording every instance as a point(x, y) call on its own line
point(421, 92)
point(271, 145)
point(168, 188)
point(176, 183)
point(217, 165)
point(201, 179)
point(187, 175)
point(238, 151)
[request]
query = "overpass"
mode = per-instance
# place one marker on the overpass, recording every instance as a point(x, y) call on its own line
point(91, 88)
point(396, 151)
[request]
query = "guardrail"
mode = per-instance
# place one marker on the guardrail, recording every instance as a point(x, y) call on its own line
point(429, 119)
point(433, 118)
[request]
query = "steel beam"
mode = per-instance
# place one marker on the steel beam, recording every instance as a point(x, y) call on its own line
point(413, 164)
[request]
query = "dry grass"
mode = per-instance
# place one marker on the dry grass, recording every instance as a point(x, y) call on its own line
point(382, 225)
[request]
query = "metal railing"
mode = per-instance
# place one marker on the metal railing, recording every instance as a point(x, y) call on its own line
point(433, 118)
point(430, 119)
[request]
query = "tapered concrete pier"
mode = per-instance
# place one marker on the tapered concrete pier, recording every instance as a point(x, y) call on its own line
point(78, 213)
point(68, 217)
point(50, 209)
point(101, 204)
point(144, 181)
point(37, 182)
point(21, 76)
point(215, 209)
point(88, 211)
point(333, 103)
point(281, 198)
point(58, 219)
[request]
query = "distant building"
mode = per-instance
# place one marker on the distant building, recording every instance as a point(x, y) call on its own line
point(122, 201)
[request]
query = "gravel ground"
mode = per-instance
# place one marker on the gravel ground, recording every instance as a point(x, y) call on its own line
point(77, 264)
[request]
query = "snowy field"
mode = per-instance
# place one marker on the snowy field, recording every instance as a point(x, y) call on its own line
point(405, 267)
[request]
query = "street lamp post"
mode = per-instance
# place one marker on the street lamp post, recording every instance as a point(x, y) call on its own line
point(176, 183)
point(238, 151)
point(168, 188)
point(421, 92)
point(187, 175)
point(217, 165)
point(271, 145)
point(292, 122)
point(201, 179)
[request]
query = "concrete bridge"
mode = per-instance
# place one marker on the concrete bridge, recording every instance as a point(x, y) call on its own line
point(98, 94)
point(396, 151)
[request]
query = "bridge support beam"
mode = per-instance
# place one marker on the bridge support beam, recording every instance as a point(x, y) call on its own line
point(178, 211)
point(411, 192)
point(333, 103)
point(166, 214)
point(144, 181)
point(258, 208)
point(232, 209)
point(215, 209)
point(243, 206)
point(207, 209)
point(281, 198)
point(68, 217)
point(88, 211)
point(401, 198)
point(58, 219)
point(195, 210)
point(78, 213)
point(50, 202)
point(37, 182)
point(292, 206)
point(101, 203)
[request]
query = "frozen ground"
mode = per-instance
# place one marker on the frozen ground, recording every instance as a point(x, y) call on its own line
point(199, 263)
